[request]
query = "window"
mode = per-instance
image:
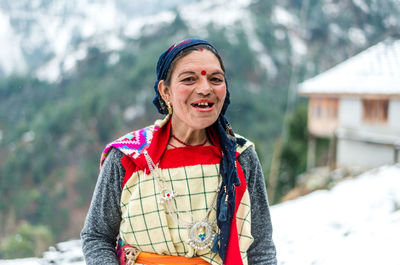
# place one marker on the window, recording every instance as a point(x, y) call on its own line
point(375, 110)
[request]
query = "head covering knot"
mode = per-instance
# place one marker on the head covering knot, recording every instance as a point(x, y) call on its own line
point(226, 195)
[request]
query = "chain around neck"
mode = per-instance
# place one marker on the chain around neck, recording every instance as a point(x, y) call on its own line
point(186, 144)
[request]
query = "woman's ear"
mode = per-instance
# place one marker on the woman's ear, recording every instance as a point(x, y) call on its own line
point(164, 90)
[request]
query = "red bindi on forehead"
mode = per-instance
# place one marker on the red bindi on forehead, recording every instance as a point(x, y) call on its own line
point(203, 72)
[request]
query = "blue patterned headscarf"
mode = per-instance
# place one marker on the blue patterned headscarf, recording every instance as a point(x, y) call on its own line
point(226, 196)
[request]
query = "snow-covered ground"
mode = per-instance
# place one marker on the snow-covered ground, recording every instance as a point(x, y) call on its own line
point(65, 253)
point(356, 222)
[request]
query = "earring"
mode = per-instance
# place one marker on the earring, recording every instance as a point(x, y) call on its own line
point(169, 108)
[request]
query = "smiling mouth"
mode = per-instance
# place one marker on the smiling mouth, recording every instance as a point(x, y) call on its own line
point(203, 105)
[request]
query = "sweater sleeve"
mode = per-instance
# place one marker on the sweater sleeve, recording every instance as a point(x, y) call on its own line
point(262, 250)
point(102, 223)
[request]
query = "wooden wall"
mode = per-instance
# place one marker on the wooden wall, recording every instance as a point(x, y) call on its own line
point(323, 115)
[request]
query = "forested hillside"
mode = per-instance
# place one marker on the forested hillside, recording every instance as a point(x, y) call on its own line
point(52, 133)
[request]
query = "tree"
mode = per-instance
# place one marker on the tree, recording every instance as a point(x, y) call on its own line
point(28, 241)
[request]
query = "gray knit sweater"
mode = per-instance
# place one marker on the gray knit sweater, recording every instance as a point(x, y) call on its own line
point(103, 219)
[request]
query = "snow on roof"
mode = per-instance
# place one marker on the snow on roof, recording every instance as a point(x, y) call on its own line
point(373, 71)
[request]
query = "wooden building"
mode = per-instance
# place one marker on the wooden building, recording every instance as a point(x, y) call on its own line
point(357, 105)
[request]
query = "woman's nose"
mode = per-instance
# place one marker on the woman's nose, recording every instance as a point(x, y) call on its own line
point(204, 86)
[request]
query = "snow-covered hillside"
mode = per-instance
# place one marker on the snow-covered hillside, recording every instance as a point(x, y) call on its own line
point(50, 36)
point(356, 222)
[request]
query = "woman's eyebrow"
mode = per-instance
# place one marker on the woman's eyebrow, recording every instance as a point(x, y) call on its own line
point(218, 73)
point(186, 72)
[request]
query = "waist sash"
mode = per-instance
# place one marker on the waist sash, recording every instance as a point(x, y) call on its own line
point(128, 255)
point(147, 258)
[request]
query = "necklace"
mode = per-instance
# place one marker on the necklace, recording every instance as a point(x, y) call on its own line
point(185, 144)
point(201, 233)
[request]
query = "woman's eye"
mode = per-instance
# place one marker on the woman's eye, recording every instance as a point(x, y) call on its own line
point(188, 79)
point(216, 80)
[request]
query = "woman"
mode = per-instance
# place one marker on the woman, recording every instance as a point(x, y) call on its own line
point(185, 190)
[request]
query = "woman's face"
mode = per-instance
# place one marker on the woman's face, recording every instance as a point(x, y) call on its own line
point(197, 90)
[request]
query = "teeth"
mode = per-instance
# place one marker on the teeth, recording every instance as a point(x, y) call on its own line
point(203, 104)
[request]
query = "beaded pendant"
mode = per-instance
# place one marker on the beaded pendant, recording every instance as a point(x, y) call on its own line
point(167, 195)
point(201, 234)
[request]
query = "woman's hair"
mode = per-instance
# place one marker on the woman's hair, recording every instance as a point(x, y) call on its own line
point(185, 52)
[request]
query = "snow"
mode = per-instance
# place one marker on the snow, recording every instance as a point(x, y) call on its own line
point(268, 64)
point(65, 253)
point(28, 136)
point(298, 47)
point(331, 9)
point(28, 261)
point(113, 58)
point(356, 222)
point(282, 16)
point(11, 57)
point(362, 5)
point(71, 58)
point(357, 36)
point(220, 13)
point(55, 29)
point(87, 23)
point(69, 252)
point(131, 112)
point(134, 27)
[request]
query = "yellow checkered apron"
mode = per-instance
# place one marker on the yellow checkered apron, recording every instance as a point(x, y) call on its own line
point(147, 225)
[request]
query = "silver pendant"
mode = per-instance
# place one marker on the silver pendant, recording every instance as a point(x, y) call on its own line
point(166, 196)
point(201, 235)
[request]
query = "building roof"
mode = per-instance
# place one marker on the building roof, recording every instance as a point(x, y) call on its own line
point(375, 70)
